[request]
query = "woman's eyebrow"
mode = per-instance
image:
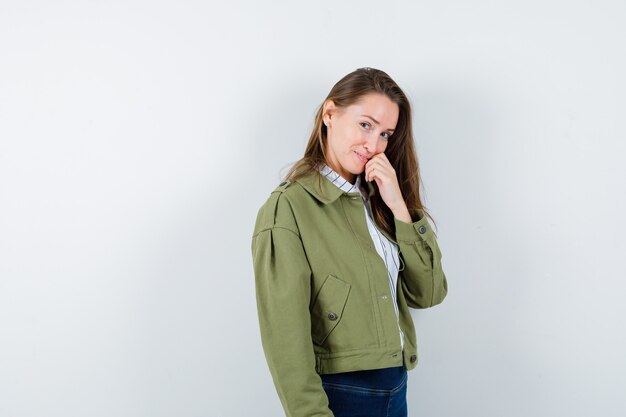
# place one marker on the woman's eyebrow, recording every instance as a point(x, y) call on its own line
point(376, 121)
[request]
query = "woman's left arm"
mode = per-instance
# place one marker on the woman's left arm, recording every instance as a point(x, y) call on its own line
point(423, 282)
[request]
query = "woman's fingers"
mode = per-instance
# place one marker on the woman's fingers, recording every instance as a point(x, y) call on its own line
point(380, 165)
point(379, 169)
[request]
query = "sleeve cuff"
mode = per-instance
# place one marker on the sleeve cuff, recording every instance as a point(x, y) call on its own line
point(411, 232)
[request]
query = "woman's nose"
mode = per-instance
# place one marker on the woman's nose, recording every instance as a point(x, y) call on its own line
point(370, 143)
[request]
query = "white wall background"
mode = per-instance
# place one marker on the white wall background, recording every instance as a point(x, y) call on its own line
point(139, 138)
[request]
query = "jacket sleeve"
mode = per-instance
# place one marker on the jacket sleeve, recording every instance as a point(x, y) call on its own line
point(423, 281)
point(283, 287)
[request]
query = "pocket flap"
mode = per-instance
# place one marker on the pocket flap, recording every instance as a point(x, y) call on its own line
point(328, 308)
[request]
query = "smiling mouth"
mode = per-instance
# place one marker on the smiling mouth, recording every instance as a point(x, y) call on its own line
point(361, 157)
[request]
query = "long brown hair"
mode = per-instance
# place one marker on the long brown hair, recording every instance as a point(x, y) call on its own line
point(400, 149)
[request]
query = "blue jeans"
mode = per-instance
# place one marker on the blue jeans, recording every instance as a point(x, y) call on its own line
point(371, 393)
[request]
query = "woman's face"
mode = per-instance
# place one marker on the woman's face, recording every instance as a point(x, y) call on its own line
point(358, 132)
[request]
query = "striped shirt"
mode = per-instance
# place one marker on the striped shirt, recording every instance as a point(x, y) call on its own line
point(387, 249)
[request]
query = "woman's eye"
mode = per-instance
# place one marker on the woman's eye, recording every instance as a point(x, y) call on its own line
point(365, 124)
point(385, 135)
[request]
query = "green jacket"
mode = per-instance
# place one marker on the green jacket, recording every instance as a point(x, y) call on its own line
point(323, 296)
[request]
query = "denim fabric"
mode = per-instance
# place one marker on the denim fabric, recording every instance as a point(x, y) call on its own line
point(370, 393)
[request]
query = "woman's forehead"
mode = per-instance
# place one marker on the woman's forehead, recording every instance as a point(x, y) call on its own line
point(377, 106)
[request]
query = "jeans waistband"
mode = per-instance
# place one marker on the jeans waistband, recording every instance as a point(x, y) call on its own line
point(384, 378)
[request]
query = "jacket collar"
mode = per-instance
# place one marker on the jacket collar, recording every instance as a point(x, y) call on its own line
point(324, 190)
point(327, 191)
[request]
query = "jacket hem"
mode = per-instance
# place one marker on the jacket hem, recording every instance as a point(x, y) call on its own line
point(358, 360)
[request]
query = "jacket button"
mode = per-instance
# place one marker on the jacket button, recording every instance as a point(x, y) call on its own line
point(332, 316)
point(422, 229)
point(413, 358)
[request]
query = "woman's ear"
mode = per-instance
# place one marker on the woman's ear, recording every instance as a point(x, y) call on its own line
point(328, 112)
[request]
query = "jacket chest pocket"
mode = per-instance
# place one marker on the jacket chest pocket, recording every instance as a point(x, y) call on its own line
point(328, 308)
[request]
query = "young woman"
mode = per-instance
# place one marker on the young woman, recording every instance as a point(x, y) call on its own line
point(341, 249)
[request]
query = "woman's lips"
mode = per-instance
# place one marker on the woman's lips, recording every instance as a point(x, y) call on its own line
point(361, 157)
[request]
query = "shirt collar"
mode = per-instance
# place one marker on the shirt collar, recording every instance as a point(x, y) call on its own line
point(340, 181)
point(326, 185)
